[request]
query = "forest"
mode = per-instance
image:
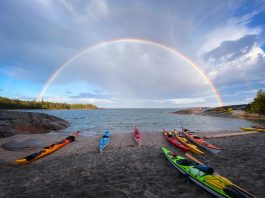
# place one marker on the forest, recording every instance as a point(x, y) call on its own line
point(258, 104)
point(6, 103)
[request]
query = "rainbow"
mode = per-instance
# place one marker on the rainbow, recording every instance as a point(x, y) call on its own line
point(131, 40)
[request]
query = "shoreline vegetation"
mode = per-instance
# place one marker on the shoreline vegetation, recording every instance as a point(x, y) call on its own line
point(6, 103)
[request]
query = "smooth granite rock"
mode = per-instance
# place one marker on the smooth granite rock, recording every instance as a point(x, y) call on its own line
point(16, 122)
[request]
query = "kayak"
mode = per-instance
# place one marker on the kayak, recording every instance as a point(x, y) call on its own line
point(137, 136)
point(174, 141)
point(201, 142)
point(253, 129)
point(205, 177)
point(260, 130)
point(47, 150)
point(104, 141)
point(247, 129)
point(193, 148)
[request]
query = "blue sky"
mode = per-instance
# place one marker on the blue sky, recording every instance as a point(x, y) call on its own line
point(225, 38)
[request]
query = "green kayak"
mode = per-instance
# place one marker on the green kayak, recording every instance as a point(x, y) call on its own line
point(205, 177)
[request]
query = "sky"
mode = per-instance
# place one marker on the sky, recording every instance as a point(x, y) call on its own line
point(223, 41)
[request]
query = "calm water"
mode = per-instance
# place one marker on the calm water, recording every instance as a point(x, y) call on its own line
point(91, 122)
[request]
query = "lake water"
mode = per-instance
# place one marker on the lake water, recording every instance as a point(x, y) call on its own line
point(91, 122)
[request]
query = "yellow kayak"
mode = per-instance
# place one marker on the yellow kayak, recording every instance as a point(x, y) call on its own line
point(252, 129)
point(192, 147)
point(47, 150)
point(247, 129)
point(260, 130)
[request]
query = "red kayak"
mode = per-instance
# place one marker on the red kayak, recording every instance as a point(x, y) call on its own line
point(137, 136)
point(174, 141)
point(201, 142)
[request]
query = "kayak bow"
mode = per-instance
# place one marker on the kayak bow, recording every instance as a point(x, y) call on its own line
point(174, 141)
point(104, 141)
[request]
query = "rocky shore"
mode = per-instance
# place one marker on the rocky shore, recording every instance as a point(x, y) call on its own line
point(234, 111)
point(17, 122)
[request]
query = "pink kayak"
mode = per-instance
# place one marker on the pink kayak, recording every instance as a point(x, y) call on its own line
point(137, 136)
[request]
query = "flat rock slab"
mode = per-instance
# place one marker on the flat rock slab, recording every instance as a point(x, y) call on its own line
point(18, 145)
point(17, 122)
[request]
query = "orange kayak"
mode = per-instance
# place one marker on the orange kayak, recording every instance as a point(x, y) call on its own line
point(47, 150)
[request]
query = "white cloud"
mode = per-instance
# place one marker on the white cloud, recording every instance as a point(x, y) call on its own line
point(246, 68)
point(230, 32)
point(235, 29)
point(80, 100)
point(87, 11)
point(183, 101)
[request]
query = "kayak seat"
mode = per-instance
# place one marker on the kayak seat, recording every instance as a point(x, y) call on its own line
point(206, 169)
point(48, 147)
point(105, 136)
point(185, 162)
point(71, 138)
point(31, 157)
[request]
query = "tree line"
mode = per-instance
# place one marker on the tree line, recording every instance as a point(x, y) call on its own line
point(258, 104)
point(6, 103)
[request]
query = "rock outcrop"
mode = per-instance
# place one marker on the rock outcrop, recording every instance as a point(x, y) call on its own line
point(16, 122)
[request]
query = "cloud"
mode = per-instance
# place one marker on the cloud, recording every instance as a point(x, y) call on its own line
point(133, 103)
point(246, 68)
point(99, 102)
point(230, 50)
point(234, 29)
point(183, 101)
point(90, 95)
point(1, 89)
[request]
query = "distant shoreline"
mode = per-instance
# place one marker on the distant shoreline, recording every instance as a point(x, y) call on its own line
point(233, 111)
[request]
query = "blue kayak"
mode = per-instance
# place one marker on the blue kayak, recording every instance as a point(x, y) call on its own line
point(104, 141)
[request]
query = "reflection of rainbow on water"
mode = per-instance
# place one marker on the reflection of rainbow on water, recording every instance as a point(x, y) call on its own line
point(131, 40)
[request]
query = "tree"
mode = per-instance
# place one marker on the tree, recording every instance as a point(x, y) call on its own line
point(258, 104)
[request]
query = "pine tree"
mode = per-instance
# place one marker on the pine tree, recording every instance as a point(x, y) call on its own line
point(258, 105)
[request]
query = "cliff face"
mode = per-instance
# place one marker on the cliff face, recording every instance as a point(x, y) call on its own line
point(14, 122)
